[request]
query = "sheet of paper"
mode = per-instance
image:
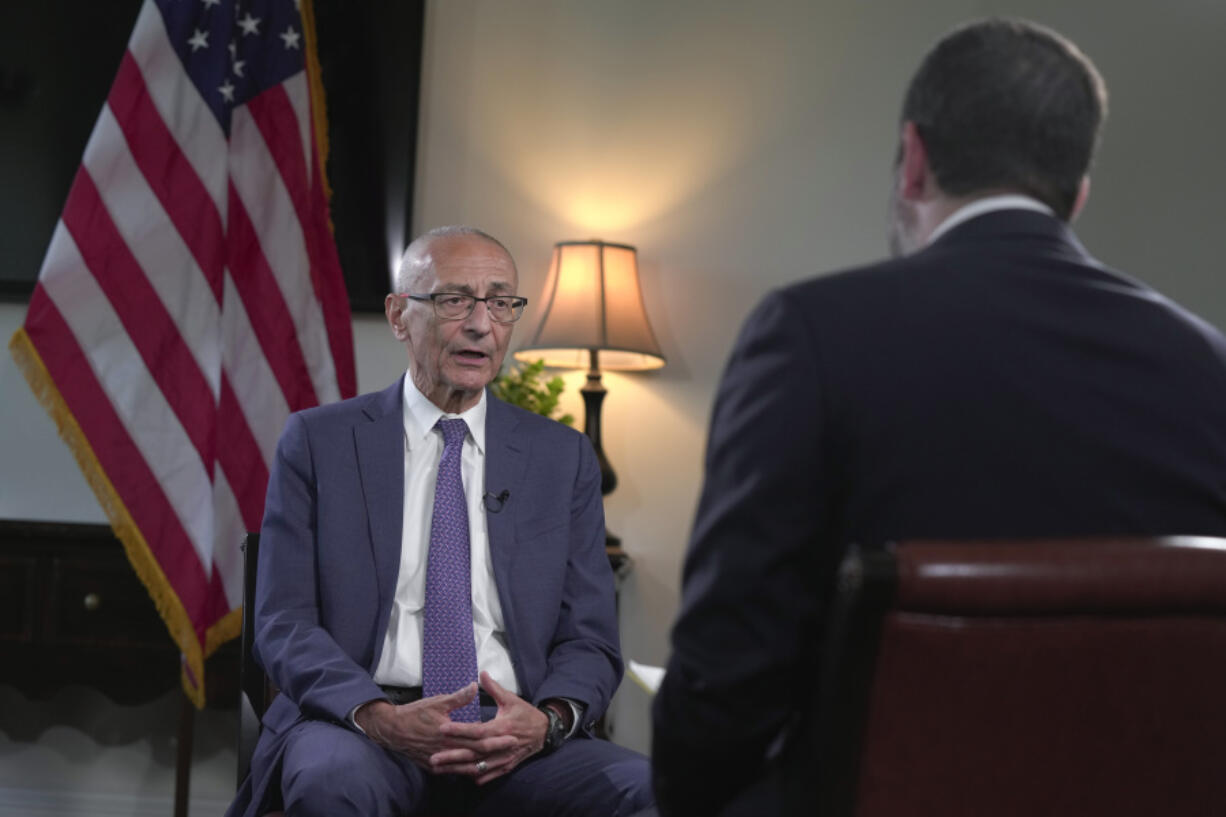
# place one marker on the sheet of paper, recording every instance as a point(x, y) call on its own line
point(645, 675)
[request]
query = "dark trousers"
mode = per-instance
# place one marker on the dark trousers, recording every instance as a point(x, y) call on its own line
point(329, 770)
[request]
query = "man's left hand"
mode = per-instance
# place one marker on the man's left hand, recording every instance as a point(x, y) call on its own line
point(516, 717)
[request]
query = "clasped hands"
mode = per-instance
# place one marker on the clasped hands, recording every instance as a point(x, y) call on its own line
point(424, 732)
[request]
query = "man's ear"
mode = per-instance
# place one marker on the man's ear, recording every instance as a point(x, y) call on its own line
point(1083, 193)
point(394, 307)
point(913, 173)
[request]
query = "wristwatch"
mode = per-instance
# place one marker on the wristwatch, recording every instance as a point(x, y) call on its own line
point(555, 733)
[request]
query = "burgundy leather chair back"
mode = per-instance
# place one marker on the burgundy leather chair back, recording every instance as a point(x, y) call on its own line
point(1055, 677)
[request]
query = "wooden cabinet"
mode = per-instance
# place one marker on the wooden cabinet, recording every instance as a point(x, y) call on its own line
point(72, 611)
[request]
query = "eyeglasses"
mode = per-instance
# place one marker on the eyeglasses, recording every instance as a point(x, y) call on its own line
point(454, 306)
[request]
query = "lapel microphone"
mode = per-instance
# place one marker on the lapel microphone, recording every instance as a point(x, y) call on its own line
point(494, 502)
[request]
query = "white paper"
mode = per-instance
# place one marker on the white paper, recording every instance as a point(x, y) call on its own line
point(646, 676)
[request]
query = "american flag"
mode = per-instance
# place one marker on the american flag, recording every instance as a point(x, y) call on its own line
point(191, 297)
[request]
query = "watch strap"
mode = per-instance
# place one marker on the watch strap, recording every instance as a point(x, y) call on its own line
point(555, 732)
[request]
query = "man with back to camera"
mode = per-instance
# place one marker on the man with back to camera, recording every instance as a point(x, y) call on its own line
point(994, 380)
point(414, 536)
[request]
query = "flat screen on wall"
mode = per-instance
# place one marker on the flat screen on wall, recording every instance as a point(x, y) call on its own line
point(58, 59)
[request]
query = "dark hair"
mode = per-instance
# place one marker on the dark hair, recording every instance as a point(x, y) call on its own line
point(1008, 104)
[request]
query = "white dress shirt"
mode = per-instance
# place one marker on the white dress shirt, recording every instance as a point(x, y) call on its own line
point(400, 663)
point(988, 204)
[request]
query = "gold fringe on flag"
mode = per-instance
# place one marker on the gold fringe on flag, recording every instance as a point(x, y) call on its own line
point(319, 108)
point(168, 604)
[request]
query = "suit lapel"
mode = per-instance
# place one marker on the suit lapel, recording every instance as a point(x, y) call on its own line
point(505, 458)
point(380, 453)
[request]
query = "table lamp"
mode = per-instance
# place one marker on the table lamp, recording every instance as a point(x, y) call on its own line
point(594, 317)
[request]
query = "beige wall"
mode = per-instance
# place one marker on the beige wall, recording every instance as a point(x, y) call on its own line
point(739, 146)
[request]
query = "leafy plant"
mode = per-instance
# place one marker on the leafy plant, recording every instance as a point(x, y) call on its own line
point(522, 386)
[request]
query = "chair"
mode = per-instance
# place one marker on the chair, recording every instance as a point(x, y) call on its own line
point(1042, 677)
point(255, 690)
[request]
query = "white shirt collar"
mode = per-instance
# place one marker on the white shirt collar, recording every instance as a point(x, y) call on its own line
point(988, 204)
point(420, 415)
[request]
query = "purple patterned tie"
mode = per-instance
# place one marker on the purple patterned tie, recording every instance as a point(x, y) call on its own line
point(449, 651)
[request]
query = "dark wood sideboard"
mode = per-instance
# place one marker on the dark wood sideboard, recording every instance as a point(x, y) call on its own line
point(72, 611)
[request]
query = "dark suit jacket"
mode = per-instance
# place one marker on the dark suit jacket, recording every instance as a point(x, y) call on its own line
point(999, 382)
point(330, 555)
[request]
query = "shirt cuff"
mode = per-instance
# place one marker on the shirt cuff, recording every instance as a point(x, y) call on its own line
point(351, 717)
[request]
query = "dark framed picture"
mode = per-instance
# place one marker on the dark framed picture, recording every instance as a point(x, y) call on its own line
point(58, 59)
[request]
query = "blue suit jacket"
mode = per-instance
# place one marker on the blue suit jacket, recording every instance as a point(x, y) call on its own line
point(998, 383)
point(330, 555)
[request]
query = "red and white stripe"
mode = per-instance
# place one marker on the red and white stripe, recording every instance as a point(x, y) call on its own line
point(190, 299)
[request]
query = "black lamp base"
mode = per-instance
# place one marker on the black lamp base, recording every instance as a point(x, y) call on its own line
point(593, 392)
point(593, 396)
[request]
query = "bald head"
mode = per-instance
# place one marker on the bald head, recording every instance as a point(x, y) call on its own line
point(417, 259)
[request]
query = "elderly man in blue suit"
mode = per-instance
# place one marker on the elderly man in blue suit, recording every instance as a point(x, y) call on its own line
point(434, 602)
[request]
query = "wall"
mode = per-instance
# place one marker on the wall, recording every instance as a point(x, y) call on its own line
point(742, 146)
point(739, 147)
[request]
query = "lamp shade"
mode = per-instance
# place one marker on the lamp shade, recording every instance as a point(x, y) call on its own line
point(593, 302)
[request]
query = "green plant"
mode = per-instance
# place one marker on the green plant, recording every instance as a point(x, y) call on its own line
point(521, 386)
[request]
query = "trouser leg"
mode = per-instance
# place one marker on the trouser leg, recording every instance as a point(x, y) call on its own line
point(330, 771)
point(585, 777)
